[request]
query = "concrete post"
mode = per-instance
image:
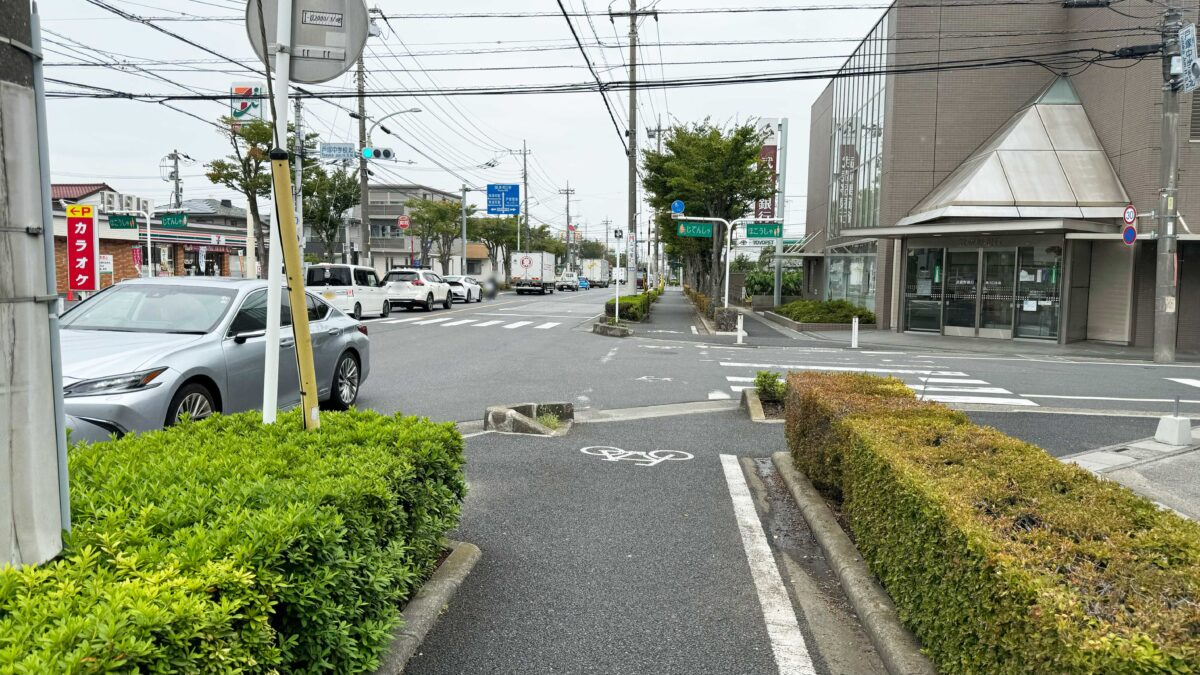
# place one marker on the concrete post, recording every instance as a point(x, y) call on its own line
point(1166, 316)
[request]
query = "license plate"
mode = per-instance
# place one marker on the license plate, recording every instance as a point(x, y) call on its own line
point(328, 295)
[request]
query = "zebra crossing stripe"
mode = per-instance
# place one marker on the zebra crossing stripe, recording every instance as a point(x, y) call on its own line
point(547, 326)
point(458, 323)
point(978, 400)
point(1184, 380)
point(960, 390)
point(411, 318)
point(431, 321)
point(486, 323)
point(518, 324)
point(843, 369)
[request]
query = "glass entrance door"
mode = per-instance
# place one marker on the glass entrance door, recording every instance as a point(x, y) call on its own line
point(998, 294)
point(962, 292)
point(923, 290)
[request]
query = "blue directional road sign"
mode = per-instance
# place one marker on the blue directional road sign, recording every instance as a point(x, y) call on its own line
point(677, 206)
point(503, 199)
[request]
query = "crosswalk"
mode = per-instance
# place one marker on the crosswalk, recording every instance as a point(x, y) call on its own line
point(454, 322)
point(929, 383)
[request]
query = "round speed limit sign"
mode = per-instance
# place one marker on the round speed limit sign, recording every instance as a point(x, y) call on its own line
point(1130, 215)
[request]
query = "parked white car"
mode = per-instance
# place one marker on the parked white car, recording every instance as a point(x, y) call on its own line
point(416, 288)
point(466, 289)
point(353, 289)
point(567, 281)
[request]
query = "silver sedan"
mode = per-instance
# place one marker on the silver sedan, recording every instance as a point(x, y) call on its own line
point(146, 352)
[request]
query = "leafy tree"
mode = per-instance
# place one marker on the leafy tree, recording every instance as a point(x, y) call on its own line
point(742, 263)
point(437, 222)
point(592, 249)
point(499, 235)
point(714, 170)
point(327, 196)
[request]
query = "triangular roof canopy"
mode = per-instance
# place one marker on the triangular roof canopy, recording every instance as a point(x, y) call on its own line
point(1045, 162)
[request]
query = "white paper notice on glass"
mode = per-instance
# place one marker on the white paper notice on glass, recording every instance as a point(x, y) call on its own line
point(1031, 306)
point(1026, 275)
point(924, 287)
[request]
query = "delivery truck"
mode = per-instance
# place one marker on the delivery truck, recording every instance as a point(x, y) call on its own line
point(533, 272)
point(596, 271)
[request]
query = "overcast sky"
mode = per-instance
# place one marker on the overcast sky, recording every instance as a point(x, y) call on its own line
point(122, 142)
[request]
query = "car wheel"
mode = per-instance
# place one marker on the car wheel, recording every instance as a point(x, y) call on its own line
point(480, 298)
point(357, 313)
point(193, 401)
point(387, 309)
point(468, 300)
point(346, 379)
point(448, 301)
point(429, 303)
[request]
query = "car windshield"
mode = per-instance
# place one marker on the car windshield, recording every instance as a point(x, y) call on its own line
point(400, 276)
point(153, 308)
point(328, 276)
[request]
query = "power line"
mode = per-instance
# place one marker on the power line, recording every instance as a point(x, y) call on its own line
point(611, 116)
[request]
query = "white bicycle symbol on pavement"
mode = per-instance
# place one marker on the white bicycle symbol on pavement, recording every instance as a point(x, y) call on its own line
point(611, 454)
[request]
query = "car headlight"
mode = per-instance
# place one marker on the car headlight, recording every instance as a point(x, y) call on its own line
point(116, 384)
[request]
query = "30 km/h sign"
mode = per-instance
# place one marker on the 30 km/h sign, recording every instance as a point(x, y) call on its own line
point(1130, 215)
point(701, 230)
point(83, 248)
point(764, 230)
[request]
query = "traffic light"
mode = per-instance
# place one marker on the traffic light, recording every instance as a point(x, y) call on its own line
point(378, 153)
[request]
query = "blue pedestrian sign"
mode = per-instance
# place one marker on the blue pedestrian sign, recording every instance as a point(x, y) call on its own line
point(503, 199)
point(677, 206)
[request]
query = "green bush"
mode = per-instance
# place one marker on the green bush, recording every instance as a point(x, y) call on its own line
point(762, 282)
point(999, 557)
point(828, 311)
point(633, 307)
point(227, 546)
point(769, 386)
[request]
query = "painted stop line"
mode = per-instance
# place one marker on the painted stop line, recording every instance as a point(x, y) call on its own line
point(652, 458)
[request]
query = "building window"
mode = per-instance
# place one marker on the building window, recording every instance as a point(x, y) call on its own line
point(474, 267)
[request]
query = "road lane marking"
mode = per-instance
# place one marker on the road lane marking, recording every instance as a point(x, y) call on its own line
point(694, 331)
point(783, 629)
point(1109, 398)
point(717, 395)
point(950, 380)
point(411, 318)
point(609, 356)
point(941, 398)
point(639, 458)
point(460, 322)
point(518, 324)
point(960, 390)
point(842, 369)
point(431, 321)
point(1184, 380)
point(548, 326)
point(486, 323)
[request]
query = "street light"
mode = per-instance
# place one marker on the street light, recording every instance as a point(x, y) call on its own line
point(728, 237)
point(382, 119)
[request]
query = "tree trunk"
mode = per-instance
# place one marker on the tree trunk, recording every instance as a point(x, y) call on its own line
point(259, 244)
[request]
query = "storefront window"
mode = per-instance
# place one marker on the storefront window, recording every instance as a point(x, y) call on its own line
point(1039, 293)
point(850, 275)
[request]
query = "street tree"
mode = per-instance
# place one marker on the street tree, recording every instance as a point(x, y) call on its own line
point(592, 249)
point(715, 171)
point(439, 222)
point(327, 196)
point(499, 235)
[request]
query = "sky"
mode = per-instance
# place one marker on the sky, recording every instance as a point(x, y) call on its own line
point(571, 135)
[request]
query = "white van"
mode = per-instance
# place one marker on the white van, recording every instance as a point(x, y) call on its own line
point(353, 289)
point(568, 281)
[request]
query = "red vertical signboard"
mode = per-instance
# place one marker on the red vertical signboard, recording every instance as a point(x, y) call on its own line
point(83, 248)
point(768, 156)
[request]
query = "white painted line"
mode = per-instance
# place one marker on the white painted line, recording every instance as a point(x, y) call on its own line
point(694, 331)
point(548, 326)
point(986, 400)
point(950, 380)
point(738, 390)
point(961, 390)
point(486, 323)
point(1183, 380)
point(787, 642)
point(609, 356)
point(460, 322)
point(431, 321)
point(518, 324)
point(718, 396)
point(732, 378)
point(411, 318)
point(842, 369)
point(883, 353)
point(1109, 398)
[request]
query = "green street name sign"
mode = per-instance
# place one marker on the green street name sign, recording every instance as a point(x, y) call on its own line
point(174, 220)
point(122, 222)
point(704, 230)
point(764, 230)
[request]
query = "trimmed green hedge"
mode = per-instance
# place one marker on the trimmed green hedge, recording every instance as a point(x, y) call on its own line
point(828, 311)
point(633, 307)
point(762, 282)
point(227, 546)
point(1001, 558)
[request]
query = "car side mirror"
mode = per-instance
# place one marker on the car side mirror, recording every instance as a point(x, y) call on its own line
point(240, 338)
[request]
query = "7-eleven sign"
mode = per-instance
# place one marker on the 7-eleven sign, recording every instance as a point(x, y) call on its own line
point(83, 248)
point(244, 100)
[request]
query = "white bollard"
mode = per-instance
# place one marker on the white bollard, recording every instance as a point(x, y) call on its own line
point(740, 333)
point(854, 334)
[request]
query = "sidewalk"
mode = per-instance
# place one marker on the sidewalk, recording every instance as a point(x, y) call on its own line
point(674, 317)
point(1165, 474)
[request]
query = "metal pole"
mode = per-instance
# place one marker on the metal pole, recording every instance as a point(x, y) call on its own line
point(728, 245)
point(149, 248)
point(283, 40)
point(1166, 263)
point(463, 261)
point(60, 436)
point(617, 293)
point(631, 247)
point(365, 190)
point(525, 188)
point(779, 209)
point(298, 188)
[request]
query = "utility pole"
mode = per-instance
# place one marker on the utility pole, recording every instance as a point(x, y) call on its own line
point(570, 234)
point(607, 225)
point(365, 197)
point(524, 191)
point(1166, 317)
point(652, 252)
point(298, 187)
point(781, 200)
point(462, 269)
point(177, 194)
point(633, 143)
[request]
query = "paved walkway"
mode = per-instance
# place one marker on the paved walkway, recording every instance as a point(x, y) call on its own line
point(1162, 473)
point(675, 318)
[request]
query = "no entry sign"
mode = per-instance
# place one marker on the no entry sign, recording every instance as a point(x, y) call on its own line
point(83, 248)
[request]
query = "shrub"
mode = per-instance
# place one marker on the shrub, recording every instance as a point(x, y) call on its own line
point(698, 299)
point(762, 282)
point(769, 386)
point(633, 307)
point(228, 546)
point(1001, 558)
point(549, 420)
point(829, 311)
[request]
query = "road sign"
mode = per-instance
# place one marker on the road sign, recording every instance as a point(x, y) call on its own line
point(402, 222)
point(83, 248)
point(1187, 52)
point(703, 230)
point(339, 151)
point(122, 222)
point(1129, 234)
point(677, 206)
point(1130, 215)
point(174, 220)
point(764, 230)
point(325, 43)
point(503, 199)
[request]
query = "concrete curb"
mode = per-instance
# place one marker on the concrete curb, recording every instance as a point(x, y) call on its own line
point(521, 418)
point(753, 405)
point(897, 646)
point(611, 331)
point(426, 606)
point(811, 327)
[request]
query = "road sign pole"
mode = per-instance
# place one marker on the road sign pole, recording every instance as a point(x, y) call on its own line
point(283, 40)
point(781, 161)
point(463, 264)
point(1166, 280)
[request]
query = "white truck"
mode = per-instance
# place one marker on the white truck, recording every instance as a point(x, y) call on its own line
point(533, 272)
point(596, 271)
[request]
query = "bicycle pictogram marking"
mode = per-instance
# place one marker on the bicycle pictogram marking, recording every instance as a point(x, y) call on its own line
point(651, 458)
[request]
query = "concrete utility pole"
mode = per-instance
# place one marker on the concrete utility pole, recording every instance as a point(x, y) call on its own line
point(570, 234)
point(462, 269)
point(1166, 317)
point(524, 153)
point(781, 201)
point(633, 143)
point(33, 481)
point(364, 207)
point(298, 187)
point(652, 251)
point(177, 194)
